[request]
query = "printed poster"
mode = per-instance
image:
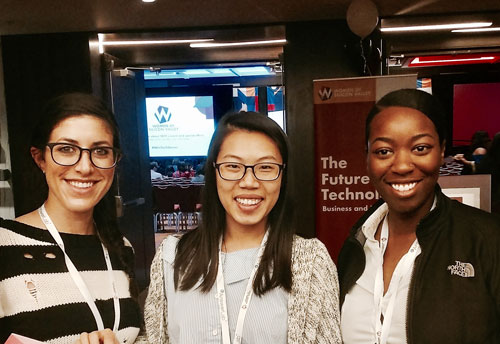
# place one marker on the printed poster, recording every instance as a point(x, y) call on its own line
point(343, 189)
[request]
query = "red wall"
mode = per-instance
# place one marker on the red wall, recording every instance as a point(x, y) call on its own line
point(475, 107)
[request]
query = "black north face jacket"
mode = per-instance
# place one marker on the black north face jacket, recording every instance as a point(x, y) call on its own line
point(454, 293)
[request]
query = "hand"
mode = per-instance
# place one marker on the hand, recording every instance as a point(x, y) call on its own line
point(461, 158)
point(105, 336)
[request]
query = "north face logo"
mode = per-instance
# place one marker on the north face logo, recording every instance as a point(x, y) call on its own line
point(163, 115)
point(461, 269)
point(325, 93)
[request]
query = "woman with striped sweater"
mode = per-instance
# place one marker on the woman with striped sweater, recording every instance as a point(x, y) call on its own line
point(66, 272)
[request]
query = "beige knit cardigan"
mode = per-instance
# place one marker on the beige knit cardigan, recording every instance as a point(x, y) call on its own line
point(313, 304)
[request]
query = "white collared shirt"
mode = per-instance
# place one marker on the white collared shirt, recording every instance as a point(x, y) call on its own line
point(360, 316)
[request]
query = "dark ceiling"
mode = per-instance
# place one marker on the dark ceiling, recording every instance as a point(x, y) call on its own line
point(44, 16)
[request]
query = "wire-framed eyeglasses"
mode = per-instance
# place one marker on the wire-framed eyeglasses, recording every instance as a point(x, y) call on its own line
point(67, 154)
point(264, 171)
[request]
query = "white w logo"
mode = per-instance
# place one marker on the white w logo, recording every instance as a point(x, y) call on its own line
point(325, 93)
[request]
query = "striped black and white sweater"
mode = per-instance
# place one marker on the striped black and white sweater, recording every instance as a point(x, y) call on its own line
point(38, 297)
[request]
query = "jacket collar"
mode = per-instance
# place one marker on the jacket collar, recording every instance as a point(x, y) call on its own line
point(427, 227)
point(432, 223)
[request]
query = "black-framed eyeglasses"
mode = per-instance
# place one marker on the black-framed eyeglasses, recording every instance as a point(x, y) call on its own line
point(264, 171)
point(67, 154)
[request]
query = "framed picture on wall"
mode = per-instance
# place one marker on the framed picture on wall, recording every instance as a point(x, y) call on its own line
point(473, 190)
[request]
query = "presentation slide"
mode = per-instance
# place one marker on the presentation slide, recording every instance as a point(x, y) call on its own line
point(179, 126)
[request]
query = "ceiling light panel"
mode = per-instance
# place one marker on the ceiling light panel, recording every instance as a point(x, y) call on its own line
point(435, 27)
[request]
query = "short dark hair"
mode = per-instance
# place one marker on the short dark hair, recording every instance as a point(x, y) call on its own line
point(201, 245)
point(414, 99)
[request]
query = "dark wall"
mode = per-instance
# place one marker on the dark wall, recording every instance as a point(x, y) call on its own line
point(315, 50)
point(36, 68)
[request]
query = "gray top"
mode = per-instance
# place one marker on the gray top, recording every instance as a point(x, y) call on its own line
point(193, 316)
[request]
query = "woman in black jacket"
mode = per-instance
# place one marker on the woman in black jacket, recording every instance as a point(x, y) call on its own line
point(417, 267)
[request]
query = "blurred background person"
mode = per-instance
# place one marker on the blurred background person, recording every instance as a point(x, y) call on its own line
point(154, 171)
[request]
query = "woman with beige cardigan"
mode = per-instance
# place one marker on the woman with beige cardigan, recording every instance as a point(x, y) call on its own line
point(243, 276)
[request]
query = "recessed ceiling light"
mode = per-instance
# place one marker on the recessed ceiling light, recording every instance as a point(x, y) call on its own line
point(436, 27)
point(103, 43)
point(148, 0)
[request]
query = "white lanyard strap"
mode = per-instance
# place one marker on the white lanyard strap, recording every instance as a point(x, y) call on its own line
point(76, 276)
point(403, 267)
point(221, 291)
point(116, 300)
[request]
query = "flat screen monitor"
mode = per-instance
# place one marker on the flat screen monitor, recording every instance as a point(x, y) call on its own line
point(179, 126)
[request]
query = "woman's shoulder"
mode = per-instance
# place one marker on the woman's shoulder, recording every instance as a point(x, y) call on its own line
point(306, 251)
point(312, 245)
point(16, 233)
point(472, 216)
point(168, 248)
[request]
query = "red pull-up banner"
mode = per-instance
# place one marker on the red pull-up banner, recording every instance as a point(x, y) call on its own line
point(343, 189)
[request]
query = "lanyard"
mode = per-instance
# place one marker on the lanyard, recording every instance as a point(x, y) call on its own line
point(221, 291)
point(77, 278)
point(403, 268)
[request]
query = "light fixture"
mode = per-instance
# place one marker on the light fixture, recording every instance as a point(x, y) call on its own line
point(449, 60)
point(436, 27)
point(248, 71)
point(483, 29)
point(196, 72)
point(103, 43)
point(100, 37)
point(155, 42)
point(148, 0)
point(236, 44)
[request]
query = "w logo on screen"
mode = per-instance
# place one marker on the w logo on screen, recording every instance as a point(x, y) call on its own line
point(163, 115)
point(325, 93)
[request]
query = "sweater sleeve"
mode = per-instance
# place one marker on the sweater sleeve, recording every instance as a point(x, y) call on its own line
point(325, 280)
point(155, 308)
point(314, 316)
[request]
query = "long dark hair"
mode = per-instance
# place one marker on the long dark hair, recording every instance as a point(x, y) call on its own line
point(413, 99)
point(197, 252)
point(77, 104)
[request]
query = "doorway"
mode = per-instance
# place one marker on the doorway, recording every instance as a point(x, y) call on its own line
point(245, 74)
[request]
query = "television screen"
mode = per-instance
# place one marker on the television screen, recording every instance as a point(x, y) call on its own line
point(179, 126)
